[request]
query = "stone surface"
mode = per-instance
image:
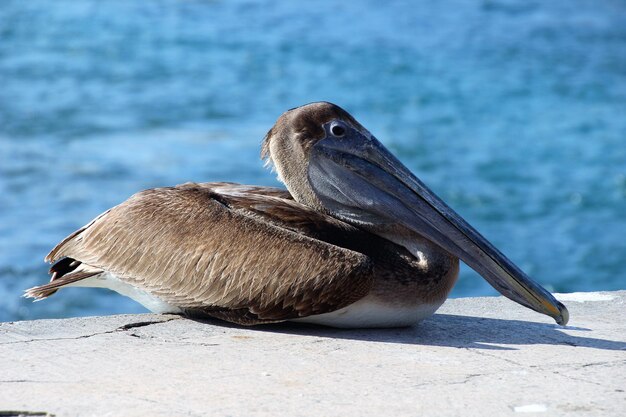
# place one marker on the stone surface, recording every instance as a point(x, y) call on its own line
point(476, 357)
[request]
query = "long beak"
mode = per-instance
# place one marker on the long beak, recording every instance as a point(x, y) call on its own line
point(358, 179)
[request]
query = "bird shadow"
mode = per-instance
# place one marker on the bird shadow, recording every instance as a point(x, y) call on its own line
point(454, 331)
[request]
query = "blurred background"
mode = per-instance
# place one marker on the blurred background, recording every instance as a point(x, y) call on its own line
point(514, 112)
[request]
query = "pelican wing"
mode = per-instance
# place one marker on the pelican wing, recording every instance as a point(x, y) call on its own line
point(246, 254)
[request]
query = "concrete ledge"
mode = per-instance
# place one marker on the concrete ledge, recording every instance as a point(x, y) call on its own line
point(477, 357)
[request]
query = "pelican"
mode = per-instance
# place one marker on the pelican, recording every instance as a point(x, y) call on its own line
point(356, 240)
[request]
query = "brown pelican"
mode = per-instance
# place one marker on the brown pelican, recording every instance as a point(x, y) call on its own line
point(356, 241)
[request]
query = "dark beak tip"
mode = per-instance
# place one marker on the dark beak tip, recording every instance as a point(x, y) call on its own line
point(563, 318)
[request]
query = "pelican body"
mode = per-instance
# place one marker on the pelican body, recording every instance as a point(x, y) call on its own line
point(356, 240)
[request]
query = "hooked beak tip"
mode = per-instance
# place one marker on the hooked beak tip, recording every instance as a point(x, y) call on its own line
point(563, 315)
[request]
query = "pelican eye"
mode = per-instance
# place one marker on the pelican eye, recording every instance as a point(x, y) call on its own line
point(337, 129)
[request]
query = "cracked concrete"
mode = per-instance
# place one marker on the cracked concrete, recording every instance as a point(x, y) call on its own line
point(476, 357)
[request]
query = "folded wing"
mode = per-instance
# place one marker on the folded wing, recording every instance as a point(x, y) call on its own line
point(243, 253)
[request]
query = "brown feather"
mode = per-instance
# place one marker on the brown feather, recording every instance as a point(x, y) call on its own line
point(43, 291)
point(196, 246)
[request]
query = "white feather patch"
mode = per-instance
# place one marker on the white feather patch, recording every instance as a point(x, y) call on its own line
point(368, 313)
point(112, 282)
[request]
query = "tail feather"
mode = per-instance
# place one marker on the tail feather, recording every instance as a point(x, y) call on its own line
point(64, 272)
point(43, 291)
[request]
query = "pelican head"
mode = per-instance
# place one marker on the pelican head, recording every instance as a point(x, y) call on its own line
point(331, 163)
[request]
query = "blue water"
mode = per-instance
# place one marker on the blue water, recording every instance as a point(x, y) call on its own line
point(514, 112)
